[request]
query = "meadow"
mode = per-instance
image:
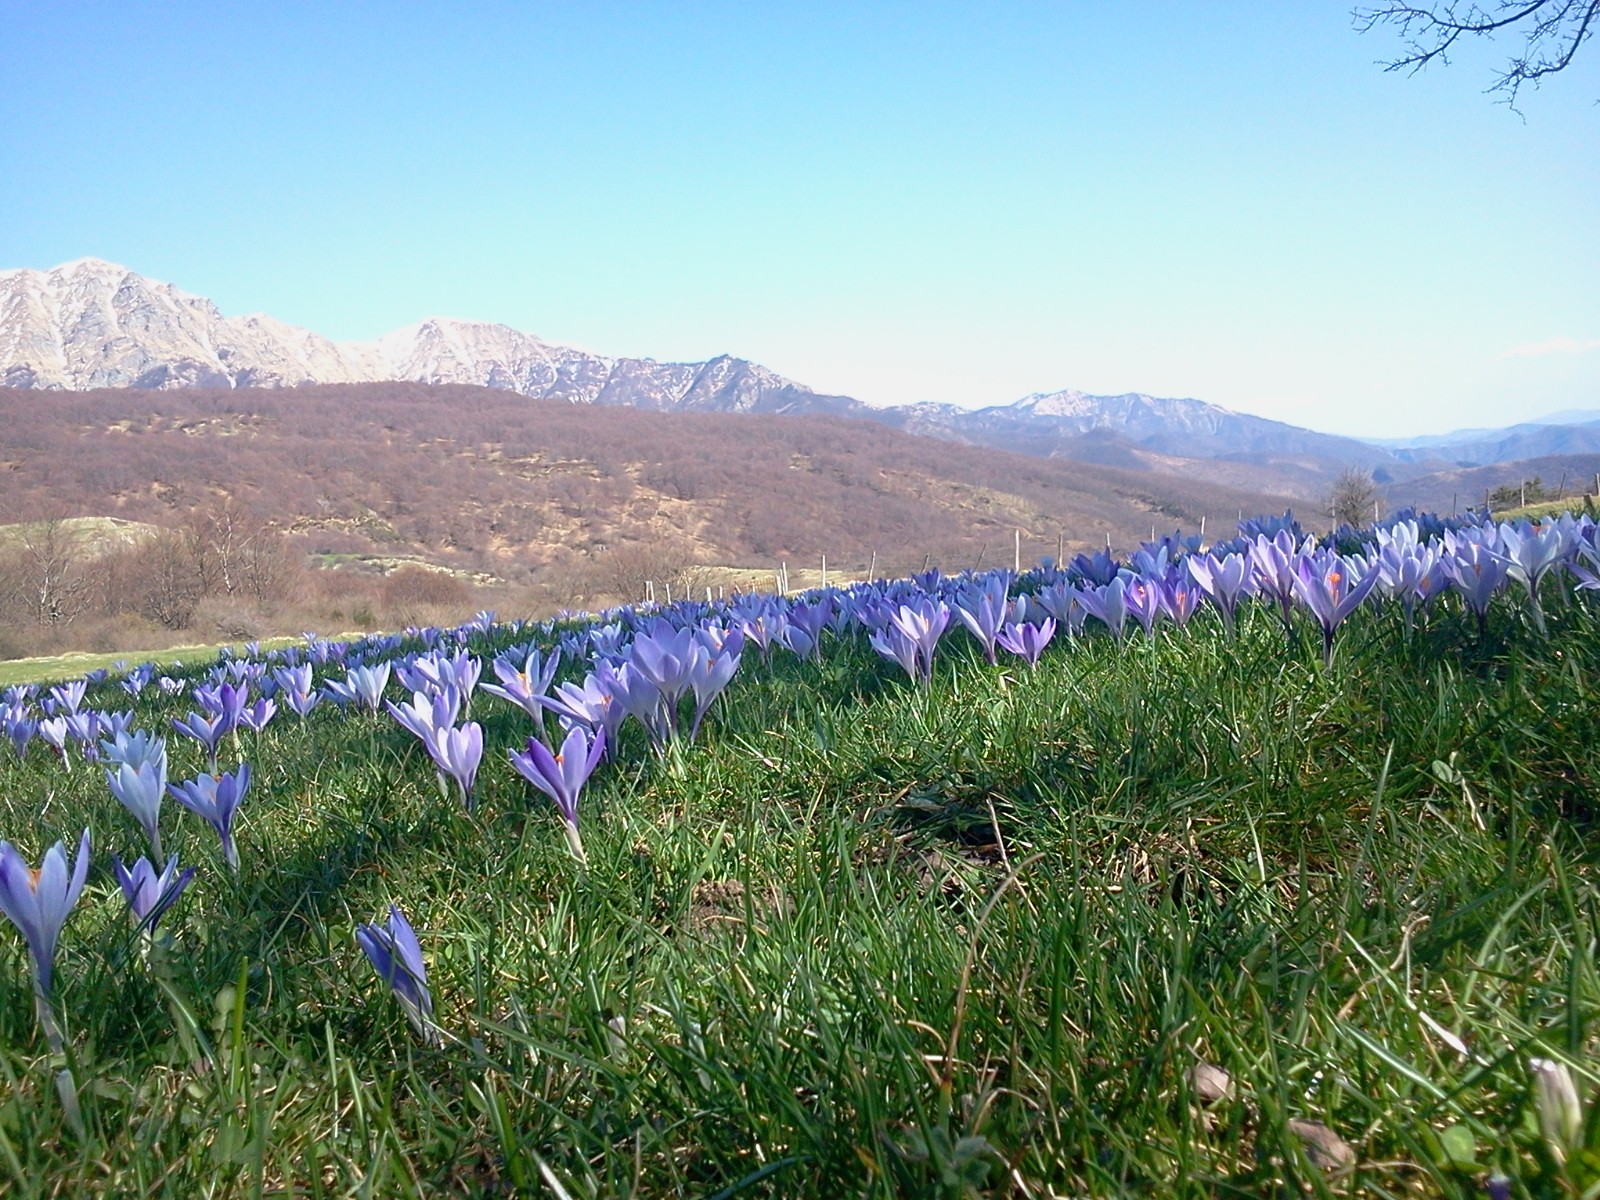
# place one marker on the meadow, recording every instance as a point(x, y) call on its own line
point(1227, 904)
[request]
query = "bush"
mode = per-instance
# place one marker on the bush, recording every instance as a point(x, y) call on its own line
point(411, 587)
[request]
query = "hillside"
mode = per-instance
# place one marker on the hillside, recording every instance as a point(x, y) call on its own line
point(490, 480)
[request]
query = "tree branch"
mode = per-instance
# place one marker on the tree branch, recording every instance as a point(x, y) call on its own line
point(1553, 30)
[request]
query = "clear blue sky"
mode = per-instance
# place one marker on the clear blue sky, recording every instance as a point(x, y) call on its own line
point(955, 202)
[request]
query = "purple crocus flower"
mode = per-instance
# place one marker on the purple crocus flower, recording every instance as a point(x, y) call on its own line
point(256, 717)
point(138, 787)
point(426, 715)
point(1180, 596)
point(1275, 563)
point(1107, 604)
point(65, 698)
point(207, 730)
point(19, 727)
point(523, 685)
point(150, 893)
point(1584, 565)
point(225, 703)
point(1225, 580)
point(396, 956)
point(1530, 551)
point(806, 621)
point(361, 685)
point(115, 725)
point(923, 622)
point(1064, 603)
point(982, 609)
point(1143, 597)
point(1026, 639)
point(592, 703)
point(457, 752)
point(1477, 573)
point(1332, 587)
point(37, 903)
point(135, 747)
point(215, 798)
point(84, 728)
point(662, 658)
point(295, 685)
point(893, 643)
point(709, 674)
point(561, 776)
point(53, 733)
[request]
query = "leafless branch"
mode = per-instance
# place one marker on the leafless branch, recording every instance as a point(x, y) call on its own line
point(1552, 32)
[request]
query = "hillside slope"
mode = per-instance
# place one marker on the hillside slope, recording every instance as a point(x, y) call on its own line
point(493, 480)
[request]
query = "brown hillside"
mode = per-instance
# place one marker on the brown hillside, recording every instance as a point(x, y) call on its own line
point(492, 481)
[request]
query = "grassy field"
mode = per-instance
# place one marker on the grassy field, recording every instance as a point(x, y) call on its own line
point(70, 666)
point(866, 939)
point(1549, 508)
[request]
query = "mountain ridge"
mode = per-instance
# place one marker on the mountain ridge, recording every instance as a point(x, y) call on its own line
point(91, 324)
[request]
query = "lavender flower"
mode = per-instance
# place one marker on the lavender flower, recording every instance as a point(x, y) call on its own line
point(592, 703)
point(396, 956)
point(1477, 573)
point(1530, 551)
point(1225, 580)
point(1027, 640)
point(1108, 604)
point(256, 717)
point(216, 798)
point(561, 776)
point(982, 610)
point(53, 733)
point(523, 685)
point(18, 726)
point(138, 787)
point(38, 903)
point(65, 698)
point(361, 685)
point(457, 753)
point(150, 893)
point(295, 683)
point(207, 730)
point(709, 674)
point(1328, 585)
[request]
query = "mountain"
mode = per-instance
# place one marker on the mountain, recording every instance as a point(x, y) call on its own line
point(1476, 448)
point(92, 324)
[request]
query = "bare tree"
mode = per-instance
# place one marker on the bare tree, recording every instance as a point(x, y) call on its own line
point(170, 583)
point(625, 570)
point(1353, 496)
point(1552, 31)
point(56, 589)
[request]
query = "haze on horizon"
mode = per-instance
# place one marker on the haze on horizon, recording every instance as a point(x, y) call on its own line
point(961, 203)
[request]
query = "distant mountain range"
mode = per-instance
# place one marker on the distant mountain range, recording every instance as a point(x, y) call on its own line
point(92, 324)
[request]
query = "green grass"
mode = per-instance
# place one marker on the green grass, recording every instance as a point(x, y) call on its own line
point(1548, 508)
point(57, 667)
point(866, 939)
point(92, 535)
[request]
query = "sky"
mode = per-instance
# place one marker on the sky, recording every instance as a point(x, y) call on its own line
point(964, 203)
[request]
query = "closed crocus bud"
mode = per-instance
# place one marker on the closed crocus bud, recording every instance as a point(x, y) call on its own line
point(1560, 1110)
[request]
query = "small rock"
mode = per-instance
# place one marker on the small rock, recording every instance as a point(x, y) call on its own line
point(1209, 1083)
point(1325, 1148)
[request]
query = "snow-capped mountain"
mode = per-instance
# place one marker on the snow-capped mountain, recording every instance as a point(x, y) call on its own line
point(93, 324)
